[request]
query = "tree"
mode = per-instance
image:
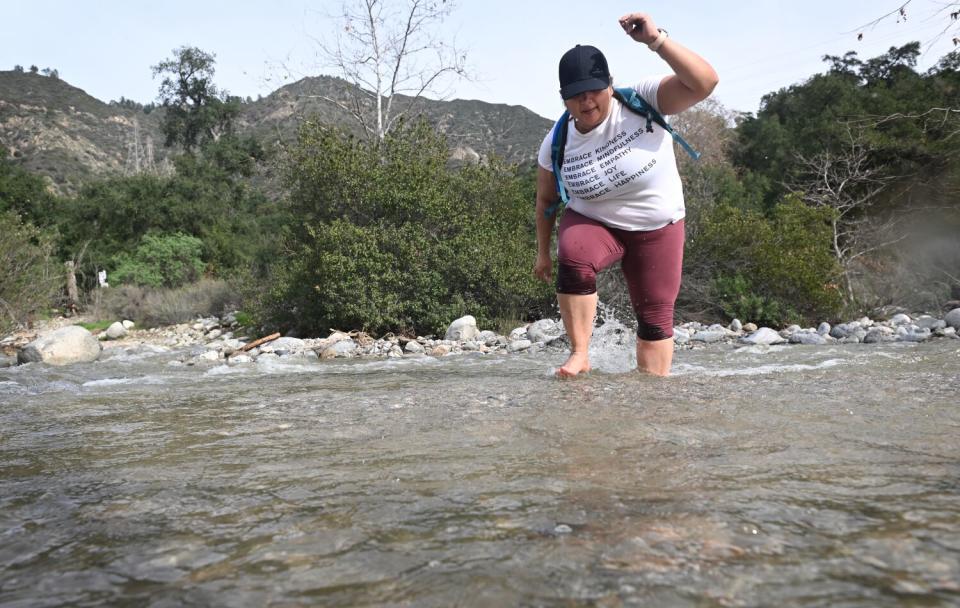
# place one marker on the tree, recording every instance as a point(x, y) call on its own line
point(18, 68)
point(196, 112)
point(849, 185)
point(393, 57)
point(34, 69)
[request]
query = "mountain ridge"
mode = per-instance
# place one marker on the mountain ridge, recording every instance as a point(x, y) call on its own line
point(58, 130)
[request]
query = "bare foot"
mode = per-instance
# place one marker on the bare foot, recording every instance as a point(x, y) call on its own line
point(576, 363)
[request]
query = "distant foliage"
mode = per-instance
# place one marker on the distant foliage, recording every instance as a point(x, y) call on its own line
point(31, 278)
point(389, 238)
point(24, 193)
point(170, 260)
point(196, 111)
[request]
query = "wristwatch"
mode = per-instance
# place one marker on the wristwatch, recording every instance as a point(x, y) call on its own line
point(656, 44)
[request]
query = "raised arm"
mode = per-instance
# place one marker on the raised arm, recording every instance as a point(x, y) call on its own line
point(693, 78)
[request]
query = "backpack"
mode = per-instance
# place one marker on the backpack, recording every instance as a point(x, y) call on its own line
point(630, 99)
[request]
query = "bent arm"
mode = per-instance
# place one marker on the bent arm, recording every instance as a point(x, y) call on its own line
point(692, 81)
point(693, 78)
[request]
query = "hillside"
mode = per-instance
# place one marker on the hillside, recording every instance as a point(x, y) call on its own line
point(60, 131)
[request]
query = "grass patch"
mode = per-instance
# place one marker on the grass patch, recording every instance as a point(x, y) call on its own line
point(96, 325)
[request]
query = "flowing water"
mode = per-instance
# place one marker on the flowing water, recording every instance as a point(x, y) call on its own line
point(798, 476)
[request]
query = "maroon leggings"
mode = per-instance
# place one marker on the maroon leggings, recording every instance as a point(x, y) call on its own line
point(651, 262)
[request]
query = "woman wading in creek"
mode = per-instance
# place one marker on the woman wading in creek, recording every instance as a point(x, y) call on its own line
point(625, 196)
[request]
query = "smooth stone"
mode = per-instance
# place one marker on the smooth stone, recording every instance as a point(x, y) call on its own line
point(877, 335)
point(544, 330)
point(210, 355)
point(487, 337)
point(127, 324)
point(736, 326)
point(931, 323)
point(823, 329)
point(680, 335)
point(64, 346)
point(344, 348)
point(414, 347)
point(116, 331)
point(900, 319)
point(764, 335)
point(840, 331)
point(213, 334)
point(240, 359)
point(952, 319)
point(915, 336)
point(518, 333)
point(285, 345)
point(749, 327)
point(804, 337)
point(464, 328)
point(519, 345)
point(440, 350)
point(708, 336)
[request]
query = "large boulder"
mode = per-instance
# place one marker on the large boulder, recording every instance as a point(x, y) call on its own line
point(72, 344)
point(953, 318)
point(464, 328)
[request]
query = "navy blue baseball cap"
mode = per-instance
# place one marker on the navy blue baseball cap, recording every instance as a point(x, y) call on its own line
point(583, 68)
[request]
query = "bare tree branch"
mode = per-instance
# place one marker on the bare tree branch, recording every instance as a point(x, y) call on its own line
point(389, 51)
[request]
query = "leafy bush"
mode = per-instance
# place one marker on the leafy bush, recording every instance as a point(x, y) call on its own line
point(30, 279)
point(768, 269)
point(161, 261)
point(389, 238)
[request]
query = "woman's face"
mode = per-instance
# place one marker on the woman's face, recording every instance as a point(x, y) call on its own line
point(589, 108)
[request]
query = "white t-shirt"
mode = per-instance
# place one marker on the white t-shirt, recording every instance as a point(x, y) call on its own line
point(618, 173)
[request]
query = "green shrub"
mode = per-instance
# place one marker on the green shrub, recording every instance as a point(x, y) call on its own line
point(161, 261)
point(392, 239)
point(30, 278)
point(768, 269)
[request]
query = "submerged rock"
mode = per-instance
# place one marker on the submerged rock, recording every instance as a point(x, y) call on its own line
point(67, 345)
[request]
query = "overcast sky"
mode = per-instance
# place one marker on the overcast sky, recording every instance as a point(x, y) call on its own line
point(106, 47)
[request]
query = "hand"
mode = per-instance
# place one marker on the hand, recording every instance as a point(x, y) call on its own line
point(543, 268)
point(640, 27)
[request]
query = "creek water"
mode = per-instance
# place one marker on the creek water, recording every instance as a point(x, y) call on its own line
point(799, 476)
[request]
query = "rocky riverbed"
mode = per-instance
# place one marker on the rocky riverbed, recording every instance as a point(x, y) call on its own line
point(217, 340)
